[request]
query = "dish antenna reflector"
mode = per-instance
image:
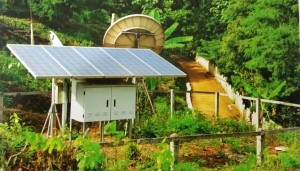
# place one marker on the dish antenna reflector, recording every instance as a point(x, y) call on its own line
point(135, 31)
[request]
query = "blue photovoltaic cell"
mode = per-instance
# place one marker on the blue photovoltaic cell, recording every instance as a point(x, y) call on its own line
point(72, 61)
point(157, 62)
point(37, 61)
point(130, 62)
point(102, 61)
point(45, 61)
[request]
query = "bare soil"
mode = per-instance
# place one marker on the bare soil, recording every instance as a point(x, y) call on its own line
point(201, 80)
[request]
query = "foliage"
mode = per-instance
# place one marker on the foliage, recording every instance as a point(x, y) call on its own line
point(162, 107)
point(111, 129)
point(89, 155)
point(289, 138)
point(187, 122)
point(259, 46)
point(14, 76)
point(19, 146)
point(132, 151)
point(231, 126)
point(258, 50)
point(185, 167)
point(153, 127)
point(188, 125)
point(248, 166)
point(43, 32)
point(164, 157)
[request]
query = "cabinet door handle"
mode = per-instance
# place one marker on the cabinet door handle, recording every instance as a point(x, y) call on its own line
point(115, 103)
point(107, 103)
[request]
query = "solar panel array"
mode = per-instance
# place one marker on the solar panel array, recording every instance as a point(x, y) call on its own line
point(44, 61)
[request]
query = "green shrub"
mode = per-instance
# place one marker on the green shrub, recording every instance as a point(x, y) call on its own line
point(248, 166)
point(185, 167)
point(132, 151)
point(187, 124)
point(162, 107)
point(89, 154)
point(19, 146)
point(289, 161)
point(288, 138)
point(230, 126)
point(152, 128)
point(164, 157)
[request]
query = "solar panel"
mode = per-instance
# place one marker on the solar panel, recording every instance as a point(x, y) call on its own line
point(155, 61)
point(38, 62)
point(102, 61)
point(72, 61)
point(130, 62)
point(44, 61)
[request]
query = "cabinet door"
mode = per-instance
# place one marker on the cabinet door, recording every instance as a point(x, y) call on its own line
point(123, 103)
point(97, 104)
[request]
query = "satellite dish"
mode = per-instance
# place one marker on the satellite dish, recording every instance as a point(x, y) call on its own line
point(135, 31)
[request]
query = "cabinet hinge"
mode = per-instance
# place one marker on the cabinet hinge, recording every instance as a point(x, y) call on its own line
point(83, 92)
point(83, 115)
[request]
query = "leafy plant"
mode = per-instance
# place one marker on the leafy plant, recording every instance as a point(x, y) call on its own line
point(185, 167)
point(187, 125)
point(132, 151)
point(231, 126)
point(164, 158)
point(111, 129)
point(248, 166)
point(89, 155)
point(171, 43)
point(153, 127)
point(289, 161)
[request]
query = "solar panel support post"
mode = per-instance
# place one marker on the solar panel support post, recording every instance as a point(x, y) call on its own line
point(64, 105)
point(130, 128)
point(83, 128)
point(52, 114)
point(52, 107)
point(70, 131)
point(101, 126)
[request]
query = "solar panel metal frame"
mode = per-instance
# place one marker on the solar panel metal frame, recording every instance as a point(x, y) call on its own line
point(45, 61)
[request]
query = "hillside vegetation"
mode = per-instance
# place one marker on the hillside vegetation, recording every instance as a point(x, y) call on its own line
point(254, 43)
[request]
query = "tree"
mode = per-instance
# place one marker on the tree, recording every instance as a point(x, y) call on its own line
point(258, 52)
point(259, 49)
point(175, 42)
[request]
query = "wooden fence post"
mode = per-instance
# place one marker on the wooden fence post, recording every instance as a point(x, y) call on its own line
point(174, 148)
point(217, 95)
point(259, 138)
point(172, 102)
point(1, 107)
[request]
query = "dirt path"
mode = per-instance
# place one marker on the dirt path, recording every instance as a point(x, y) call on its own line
point(201, 80)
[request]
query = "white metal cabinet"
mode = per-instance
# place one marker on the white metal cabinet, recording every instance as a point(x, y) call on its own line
point(102, 102)
point(97, 104)
point(123, 103)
